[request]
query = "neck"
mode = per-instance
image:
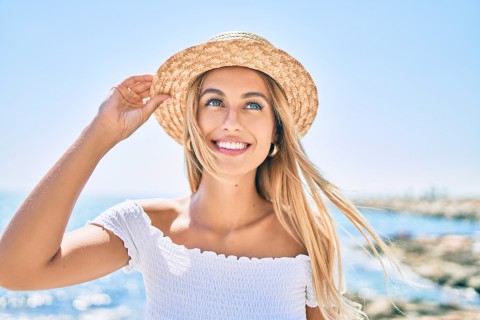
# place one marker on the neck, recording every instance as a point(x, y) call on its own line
point(228, 204)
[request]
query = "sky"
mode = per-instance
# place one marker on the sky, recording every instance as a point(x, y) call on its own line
point(398, 83)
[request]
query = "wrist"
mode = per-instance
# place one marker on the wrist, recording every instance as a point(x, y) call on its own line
point(100, 135)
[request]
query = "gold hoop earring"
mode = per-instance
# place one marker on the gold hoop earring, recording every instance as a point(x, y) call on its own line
point(188, 145)
point(274, 152)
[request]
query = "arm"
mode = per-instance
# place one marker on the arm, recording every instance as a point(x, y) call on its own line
point(313, 313)
point(34, 252)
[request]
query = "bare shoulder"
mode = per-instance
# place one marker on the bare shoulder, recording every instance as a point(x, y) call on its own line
point(163, 211)
point(279, 240)
point(156, 205)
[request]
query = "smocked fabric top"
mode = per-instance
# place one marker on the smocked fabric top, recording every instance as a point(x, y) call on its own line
point(182, 283)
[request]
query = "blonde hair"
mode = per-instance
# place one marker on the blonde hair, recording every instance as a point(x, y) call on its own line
point(292, 183)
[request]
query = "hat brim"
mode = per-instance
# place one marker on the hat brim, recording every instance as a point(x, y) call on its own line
point(177, 74)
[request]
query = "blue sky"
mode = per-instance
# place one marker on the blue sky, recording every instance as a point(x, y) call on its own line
point(398, 82)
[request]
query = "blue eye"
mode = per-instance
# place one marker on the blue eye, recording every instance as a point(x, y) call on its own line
point(214, 102)
point(254, 105)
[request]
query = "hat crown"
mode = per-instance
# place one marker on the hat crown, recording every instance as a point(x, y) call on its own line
point(239, 35)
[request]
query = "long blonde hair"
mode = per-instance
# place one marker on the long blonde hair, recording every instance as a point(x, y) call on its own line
point(292, 183)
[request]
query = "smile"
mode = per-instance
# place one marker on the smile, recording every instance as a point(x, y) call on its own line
point(231, 145)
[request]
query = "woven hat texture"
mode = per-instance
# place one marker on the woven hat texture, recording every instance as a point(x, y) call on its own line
point(244, 49)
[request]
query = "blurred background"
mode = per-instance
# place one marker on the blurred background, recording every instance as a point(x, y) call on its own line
point(397, 129)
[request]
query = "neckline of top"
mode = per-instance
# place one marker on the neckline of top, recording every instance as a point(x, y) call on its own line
point(209, 253)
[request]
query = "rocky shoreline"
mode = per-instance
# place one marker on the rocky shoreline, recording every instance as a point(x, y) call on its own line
point(451, 260)
point(383, 309)
point(441, 207)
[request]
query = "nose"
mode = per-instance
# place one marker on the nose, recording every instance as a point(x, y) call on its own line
point(231, 121)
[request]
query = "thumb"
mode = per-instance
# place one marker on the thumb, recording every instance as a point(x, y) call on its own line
point(156, 101)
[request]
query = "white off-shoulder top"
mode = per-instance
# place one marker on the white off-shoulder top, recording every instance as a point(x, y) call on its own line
point(184, 283)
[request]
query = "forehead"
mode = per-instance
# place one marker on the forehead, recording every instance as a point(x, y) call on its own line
point(239, 78)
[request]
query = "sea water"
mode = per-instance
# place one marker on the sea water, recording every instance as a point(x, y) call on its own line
point(121, 295)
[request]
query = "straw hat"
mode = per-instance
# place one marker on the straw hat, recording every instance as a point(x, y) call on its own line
point(235, 48)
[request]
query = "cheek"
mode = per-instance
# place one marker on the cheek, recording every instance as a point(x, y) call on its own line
point(269, 127)
point(264, 131)
point(205, 122)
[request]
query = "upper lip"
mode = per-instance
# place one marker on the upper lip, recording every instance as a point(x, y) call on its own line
point(229, 139)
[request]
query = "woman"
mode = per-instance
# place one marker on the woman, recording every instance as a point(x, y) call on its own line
point(254, 240)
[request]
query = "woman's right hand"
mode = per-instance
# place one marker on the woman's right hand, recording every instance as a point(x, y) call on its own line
point(128, 106)
point(35, 252)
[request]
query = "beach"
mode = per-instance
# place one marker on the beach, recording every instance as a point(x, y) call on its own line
point(424, 243)
point(452, 261)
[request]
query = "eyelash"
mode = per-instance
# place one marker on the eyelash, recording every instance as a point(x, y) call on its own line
point(260, 105)
point(211, 100)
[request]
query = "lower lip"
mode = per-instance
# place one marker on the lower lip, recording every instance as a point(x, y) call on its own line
point(230, 152)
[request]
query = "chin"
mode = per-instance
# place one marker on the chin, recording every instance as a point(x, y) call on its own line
point(234, 172)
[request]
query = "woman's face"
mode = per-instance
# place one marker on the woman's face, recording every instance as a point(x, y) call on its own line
point(236, 117)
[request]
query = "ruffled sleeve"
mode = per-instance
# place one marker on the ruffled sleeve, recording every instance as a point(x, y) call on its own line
point(126, 221)
point(310, 298)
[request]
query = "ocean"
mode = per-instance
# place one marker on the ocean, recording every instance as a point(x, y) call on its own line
point(121, 295)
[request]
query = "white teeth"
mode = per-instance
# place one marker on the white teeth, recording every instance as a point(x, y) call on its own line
point(231, 145)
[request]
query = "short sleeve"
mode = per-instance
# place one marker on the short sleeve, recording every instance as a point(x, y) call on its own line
point(126, 221)
point(310, 298)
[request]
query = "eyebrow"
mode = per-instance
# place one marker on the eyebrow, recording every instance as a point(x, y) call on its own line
point(245, 95)
point(254, 94)
point(210, 90)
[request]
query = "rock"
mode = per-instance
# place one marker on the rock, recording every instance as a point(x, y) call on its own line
point(454, 243)
point(383, 308)
point(380, 307)
point(474, 283)
point(448, 260)
point(432, 271)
